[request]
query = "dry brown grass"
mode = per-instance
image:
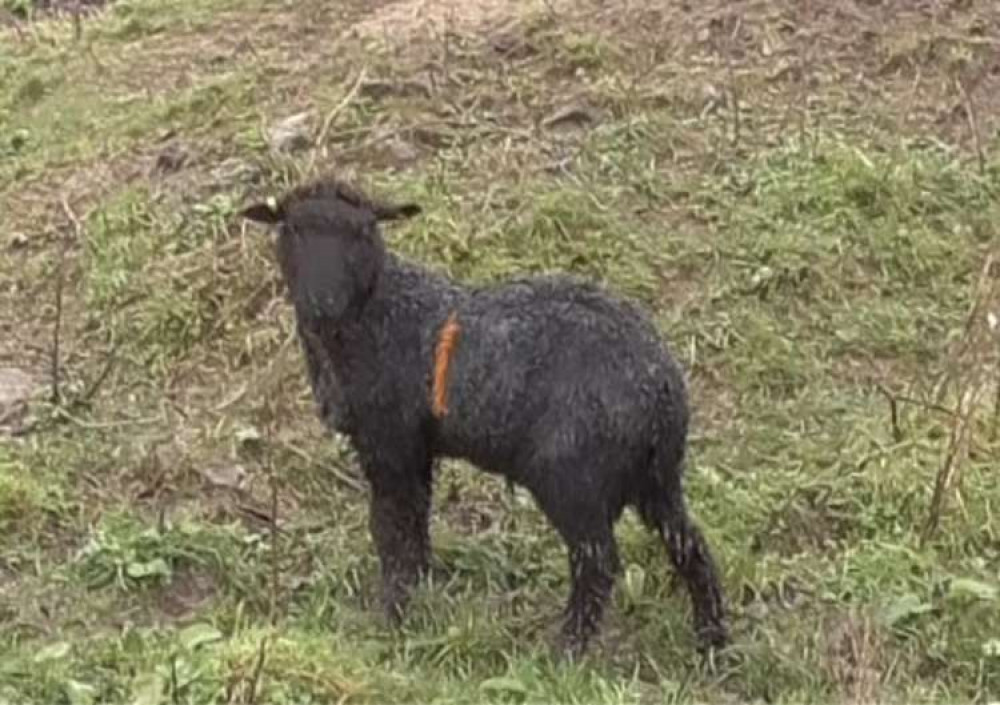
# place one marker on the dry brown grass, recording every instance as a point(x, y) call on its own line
point(973, 373)
point(854, 658)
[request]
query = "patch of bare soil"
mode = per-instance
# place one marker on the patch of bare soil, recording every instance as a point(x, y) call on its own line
point(69, 6)
point(407, 19)
point(760, 69)
point(187, 593)
point(17, 387)
point(41, 9)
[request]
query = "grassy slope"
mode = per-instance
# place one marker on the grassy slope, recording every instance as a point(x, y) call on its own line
point(818, 244)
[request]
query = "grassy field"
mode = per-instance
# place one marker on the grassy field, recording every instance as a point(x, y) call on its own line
point(807, 195)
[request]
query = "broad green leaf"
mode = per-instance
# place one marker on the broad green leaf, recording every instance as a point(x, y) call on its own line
point(634, 585)
point(966, 587)
point(148, 689)
point(139, 569)
point(506, 684)
point(78, 693)
point(53, 652)
point(182, 670)
point(195, 635)
point(904, 607)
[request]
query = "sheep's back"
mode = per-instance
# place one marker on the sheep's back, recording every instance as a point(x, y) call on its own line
point(552, 353)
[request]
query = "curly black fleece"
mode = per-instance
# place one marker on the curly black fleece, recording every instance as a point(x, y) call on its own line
point(553, 384)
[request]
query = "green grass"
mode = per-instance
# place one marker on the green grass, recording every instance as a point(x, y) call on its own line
point(23, 497)
point(801, 272)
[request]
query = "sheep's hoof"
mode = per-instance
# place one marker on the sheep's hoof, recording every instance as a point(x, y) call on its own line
point(393, 607)
point(393, 615)
point(711, 637)
point(570, 648)
point(573, 643)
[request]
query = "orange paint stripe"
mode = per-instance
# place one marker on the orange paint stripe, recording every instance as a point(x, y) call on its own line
point(447, 340)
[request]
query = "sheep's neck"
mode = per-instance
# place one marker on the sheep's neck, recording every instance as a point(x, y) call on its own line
point(342, 340)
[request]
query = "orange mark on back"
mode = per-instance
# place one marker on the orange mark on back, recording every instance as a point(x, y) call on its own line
point(447, 340)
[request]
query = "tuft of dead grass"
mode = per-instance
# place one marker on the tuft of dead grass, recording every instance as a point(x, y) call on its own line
point(854, 658)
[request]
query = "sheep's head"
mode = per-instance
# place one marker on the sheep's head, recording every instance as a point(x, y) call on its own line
point(329, 245)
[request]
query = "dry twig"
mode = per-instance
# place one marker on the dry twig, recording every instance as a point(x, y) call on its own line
point(734, 94)
point(969, 377)
point(272, 480)
point(56, 395)
point(897, 432)
point(970, 114)
point(60, 286)
point(258, 671)
point(332, 115)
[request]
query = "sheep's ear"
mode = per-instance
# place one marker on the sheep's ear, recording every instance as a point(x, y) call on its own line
point(266, 212)
point(385, 211)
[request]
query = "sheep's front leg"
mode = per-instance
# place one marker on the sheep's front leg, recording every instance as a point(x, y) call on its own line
point(398, 520)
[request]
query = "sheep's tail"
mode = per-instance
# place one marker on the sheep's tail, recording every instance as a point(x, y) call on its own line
point(659, 489)
point(663, 509)
point(660, 500)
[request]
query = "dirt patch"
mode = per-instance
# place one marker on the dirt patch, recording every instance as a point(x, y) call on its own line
point(41, 8)
point(410, 18)
point(187, 593)
point(17, 388)
point(812, 520)
point(69, 6)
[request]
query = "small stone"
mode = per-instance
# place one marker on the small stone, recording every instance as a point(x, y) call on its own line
point(231, 476)
point(235, 171)
point(378, 89)
point(17, 388)
point(403, 152)
point(170, 159)
point(572, 116)
point(291, 134)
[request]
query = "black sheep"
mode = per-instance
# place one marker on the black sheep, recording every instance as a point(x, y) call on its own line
point(547, 381)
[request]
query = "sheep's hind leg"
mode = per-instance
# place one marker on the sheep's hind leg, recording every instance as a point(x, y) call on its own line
point(693, 561)
point(593, 563)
